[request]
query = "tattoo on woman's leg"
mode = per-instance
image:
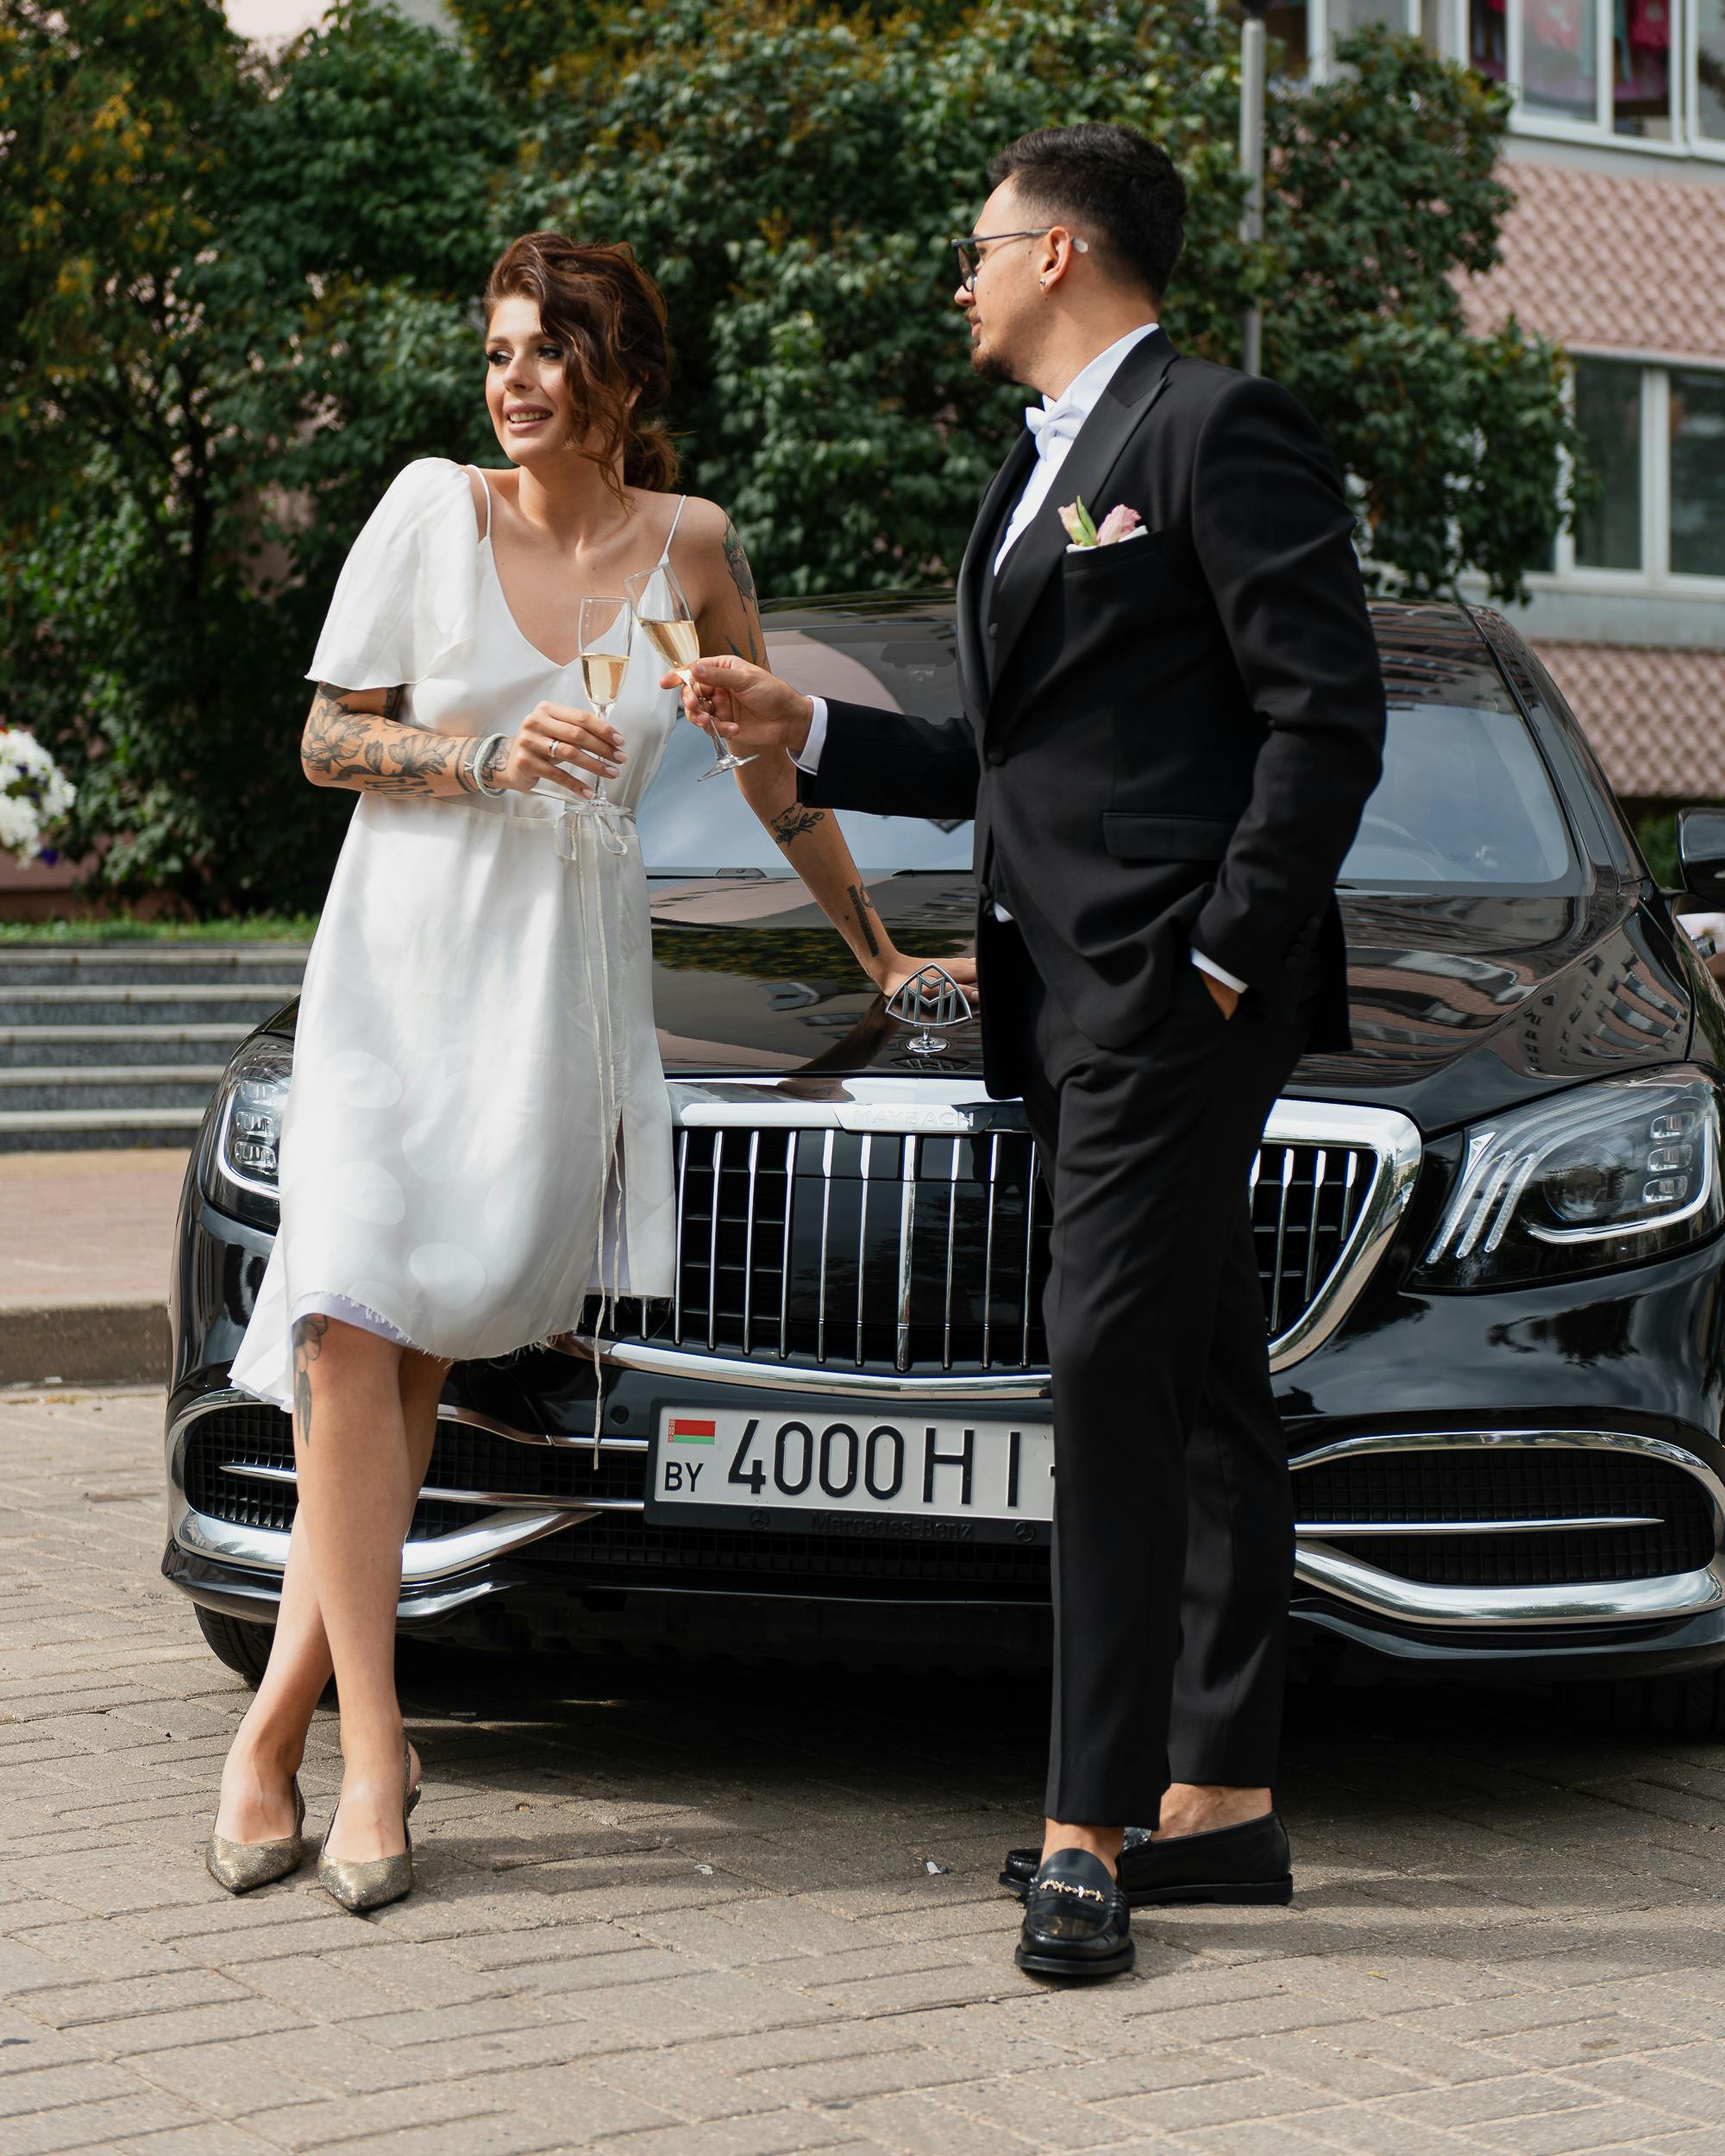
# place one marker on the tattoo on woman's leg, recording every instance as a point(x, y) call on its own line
point(308, 1345)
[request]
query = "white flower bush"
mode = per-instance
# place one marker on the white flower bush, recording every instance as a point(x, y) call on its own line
point(34, 796)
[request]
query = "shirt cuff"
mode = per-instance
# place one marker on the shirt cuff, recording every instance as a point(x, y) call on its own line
point(809, 758)
point(1215, 972)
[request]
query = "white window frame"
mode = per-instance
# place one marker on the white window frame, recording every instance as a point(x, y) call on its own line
point(1686, 139)
point(1321, 32)
point(1655, 576)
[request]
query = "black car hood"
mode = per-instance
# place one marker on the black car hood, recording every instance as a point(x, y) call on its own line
point(1461, 1005)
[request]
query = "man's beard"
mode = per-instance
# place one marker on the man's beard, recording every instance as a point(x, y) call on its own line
point(990, 367)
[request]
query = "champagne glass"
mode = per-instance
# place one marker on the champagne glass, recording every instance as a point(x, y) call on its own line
point(607, 624)
point(662, 607)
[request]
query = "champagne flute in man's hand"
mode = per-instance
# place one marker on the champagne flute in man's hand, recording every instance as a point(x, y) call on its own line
point(662, 607)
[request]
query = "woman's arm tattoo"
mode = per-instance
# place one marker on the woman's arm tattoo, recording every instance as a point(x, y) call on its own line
point(374, 751)
point(790, 823)
point(742, 577)
point(859, 898)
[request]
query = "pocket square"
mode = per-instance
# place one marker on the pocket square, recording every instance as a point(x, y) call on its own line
point(1141, 533)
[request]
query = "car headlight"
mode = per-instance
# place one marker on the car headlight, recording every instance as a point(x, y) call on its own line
point(243, 1157)
point(1610, 1173)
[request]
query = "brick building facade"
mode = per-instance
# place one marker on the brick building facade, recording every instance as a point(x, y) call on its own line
point(1615, 248)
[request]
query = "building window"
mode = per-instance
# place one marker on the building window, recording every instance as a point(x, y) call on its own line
point(1306, 29)
point(1709, 75)
point(1656, 440)
point(1696, 420)
point(1602, 65)
point(1607, 408)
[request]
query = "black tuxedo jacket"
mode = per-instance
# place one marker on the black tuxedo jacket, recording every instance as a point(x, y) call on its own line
point(1165, 743)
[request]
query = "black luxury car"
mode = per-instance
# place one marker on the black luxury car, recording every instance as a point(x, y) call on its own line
point(1489, 1238)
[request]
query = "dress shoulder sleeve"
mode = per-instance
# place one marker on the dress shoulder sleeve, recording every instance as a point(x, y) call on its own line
point(406, 595)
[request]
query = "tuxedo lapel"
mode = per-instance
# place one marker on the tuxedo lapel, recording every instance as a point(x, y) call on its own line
point(1039, 548)
point(974, 583)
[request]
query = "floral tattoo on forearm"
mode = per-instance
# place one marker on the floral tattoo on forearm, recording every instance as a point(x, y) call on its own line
point(791, 824)
point(377, 751)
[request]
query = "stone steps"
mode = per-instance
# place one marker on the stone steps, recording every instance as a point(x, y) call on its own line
point(118, 1044)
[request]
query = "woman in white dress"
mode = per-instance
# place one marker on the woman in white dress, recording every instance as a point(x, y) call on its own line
point(478, 1132)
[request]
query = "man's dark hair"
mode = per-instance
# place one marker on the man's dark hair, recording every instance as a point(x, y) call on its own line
point(1119, 185)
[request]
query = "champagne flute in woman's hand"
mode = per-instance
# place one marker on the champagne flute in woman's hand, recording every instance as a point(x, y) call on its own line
point(662, 607)
point(607, 627)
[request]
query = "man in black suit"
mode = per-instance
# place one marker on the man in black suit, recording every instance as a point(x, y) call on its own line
point(1166, 745)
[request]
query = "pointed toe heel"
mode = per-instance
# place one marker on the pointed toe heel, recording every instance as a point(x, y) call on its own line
point(361, 1888)
point(240, 1866)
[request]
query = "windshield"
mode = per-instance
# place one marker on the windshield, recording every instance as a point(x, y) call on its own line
point(1465, 802)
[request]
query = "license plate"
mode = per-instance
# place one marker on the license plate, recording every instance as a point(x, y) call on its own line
point(839, 1473)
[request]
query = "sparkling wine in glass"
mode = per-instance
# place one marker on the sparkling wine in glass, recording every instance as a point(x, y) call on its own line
point(605, 627)
point(662, 607)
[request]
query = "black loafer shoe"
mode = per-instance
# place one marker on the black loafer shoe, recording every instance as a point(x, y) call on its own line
point(1077, 1929)
point(1246, 1866)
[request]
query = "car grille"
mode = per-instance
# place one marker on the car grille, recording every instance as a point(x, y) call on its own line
point(1440, 1485)
point(1432, 1484)
point(917, 1254)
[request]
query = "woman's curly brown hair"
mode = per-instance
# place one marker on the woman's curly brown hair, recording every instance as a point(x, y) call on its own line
point(607, 313)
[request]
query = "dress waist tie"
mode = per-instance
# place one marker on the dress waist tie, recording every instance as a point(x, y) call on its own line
point(586, 831)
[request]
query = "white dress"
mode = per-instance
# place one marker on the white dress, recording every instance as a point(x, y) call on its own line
point(477, 1132)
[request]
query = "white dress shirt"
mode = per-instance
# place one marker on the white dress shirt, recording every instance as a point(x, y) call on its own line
point(1056, 428)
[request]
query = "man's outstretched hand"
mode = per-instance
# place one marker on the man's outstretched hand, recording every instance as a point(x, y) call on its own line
point(752, 709)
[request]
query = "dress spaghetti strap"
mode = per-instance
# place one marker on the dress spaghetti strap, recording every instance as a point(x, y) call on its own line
point(672, 533)
point(485, 489)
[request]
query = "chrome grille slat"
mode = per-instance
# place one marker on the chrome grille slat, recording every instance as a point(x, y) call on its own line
point(749, 1217)
point(785, 1248)
point(712, 1241)
point(988, 1253)
point(1337, 1176)
point(901, 1330)
point(1029, 1250)
point(682, 1215)
point(821, 1278)
point(952, 1228)
point(1281, 1238)
point(862, 1243)
point(1311, 1221)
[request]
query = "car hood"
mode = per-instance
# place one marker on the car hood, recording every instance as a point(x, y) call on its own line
point(1461, 1006)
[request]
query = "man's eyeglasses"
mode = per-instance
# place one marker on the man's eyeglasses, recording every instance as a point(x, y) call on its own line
point(969, 252)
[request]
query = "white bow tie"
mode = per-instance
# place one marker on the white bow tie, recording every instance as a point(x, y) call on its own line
point(1050, 423)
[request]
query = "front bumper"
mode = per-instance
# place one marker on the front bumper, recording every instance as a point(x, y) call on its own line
point(528, 1537)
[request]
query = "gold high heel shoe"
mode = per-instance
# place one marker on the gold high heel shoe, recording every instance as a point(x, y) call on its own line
point(241, 1866)
point(359, 1887)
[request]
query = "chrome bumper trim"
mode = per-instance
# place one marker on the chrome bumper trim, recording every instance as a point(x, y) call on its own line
point(1320, 1565)
point(497, 1534)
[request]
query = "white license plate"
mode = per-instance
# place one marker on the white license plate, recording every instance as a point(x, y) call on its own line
point(786, 1469)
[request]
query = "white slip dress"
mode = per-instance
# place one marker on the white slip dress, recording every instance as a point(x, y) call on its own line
point(478, 1133)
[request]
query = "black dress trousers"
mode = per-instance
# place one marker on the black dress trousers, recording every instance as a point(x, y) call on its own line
point(1173, 1512)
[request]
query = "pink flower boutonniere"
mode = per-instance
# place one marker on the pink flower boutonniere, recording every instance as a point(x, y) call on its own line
point(1082, 530)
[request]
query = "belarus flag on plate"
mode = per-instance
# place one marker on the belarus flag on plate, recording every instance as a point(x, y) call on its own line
point(686, 1430)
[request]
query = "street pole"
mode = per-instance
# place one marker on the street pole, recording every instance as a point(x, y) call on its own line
point(1253, 39)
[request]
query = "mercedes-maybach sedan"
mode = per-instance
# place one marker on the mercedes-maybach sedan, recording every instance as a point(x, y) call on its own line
point(1489, 1238)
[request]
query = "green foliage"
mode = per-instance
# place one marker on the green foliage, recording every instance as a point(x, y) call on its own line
point(1385, 187)
point(1656, 835)
point(129, 928)
point(237, 293)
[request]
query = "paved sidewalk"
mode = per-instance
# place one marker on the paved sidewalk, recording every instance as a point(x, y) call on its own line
point(86, 1240)
point(720, 1912)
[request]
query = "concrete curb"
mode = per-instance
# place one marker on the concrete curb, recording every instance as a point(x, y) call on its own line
point(124, 1341)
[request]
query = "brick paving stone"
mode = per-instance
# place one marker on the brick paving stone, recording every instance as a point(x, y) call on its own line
point(649, 1924)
